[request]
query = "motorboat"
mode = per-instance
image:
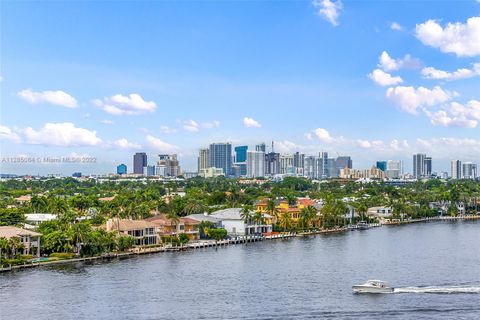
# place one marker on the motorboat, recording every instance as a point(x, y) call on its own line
point(362, 225)
point(373, 286)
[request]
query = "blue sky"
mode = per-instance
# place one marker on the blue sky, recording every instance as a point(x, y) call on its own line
point(107, 79)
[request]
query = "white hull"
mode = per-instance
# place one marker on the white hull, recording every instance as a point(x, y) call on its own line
point(371, 289)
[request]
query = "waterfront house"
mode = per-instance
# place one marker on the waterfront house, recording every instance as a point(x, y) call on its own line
point(144, 232)
point(231, 220)
point(36, 219)
point(380, 212)
point(30, 240)
point(168, 227)
point(282, 207)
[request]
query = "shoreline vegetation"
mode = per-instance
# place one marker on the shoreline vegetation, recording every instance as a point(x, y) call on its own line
point(148, 250)
point(85, 215)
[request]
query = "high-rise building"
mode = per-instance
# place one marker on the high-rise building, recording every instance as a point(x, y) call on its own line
point(167, 165)
point(469, 170)
point(241, 153)
point(342, 163)
point(203, 159)
point(323, 165)
point(456, 169)
point(261, 147)
point(310, 167)
point(122, 169)
point(286, 164)
point(149, 171)
point(298, 162)
point(272, 163)
point(220, 155)
point(422, 166)
point(394, 169)
point(382, 165)
point(139, 162)
point(255, 164)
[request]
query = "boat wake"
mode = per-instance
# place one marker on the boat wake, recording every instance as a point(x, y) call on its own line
point(438, 289)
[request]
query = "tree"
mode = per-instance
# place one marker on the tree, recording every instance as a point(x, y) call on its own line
point(125, 242)
point(272, 209)
point(285, 221)
point(218, 234)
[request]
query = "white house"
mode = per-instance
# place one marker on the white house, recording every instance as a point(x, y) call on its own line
point(231, 220)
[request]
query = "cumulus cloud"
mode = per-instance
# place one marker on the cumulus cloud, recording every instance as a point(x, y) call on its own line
point(323, 135)
point(329, 10)
point(133, 104)
point(194, 126)
point(160, 146)
point(125, 144)
point(396, 26)
point(61, 134)
point(251, 123)
point(382, 78)
point(58, 97)
point(387, 63)
point(409, 99)
point(398, 145)
point(458, 38)
point(462, 73)
point(7, 134)
point(457, 115)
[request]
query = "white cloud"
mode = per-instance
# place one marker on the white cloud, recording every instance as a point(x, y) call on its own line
point(387, 63)
point(133, 104)
point(396, 26)
point(125, 144)
point(191, 125)
point(458, 38)
point(7, 134)
point(59, 98)
point(463, 73)
point(409, 99)
point(398, 145)
point(210, 125)
point(323, 135)
point(329, 10)
point(161, 146)
point(108, 122)
point(309, 136)
point(382, 78)
point(61, 134)
point(457, 115)
point(167, 130)
point(251, 123)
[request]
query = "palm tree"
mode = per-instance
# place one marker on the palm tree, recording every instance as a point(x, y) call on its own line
point(246, 215)
point(174, 219)
point(362, 208)
point(286, 221)
point(272, 209)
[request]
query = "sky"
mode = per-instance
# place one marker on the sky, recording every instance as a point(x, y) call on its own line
point(85, 85)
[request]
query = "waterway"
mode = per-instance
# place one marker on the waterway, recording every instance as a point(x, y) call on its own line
point(435, 268)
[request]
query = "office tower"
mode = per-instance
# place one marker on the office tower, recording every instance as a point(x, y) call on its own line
point(323, 170)
point(241, 154)
point(298, 162)
point(469, 170)
point(422, 166)
point(203, 159)
point(122, 169)
point(310, 168)
point(394, 169)
point(255, 164)
point(382, 165)
point(167, 165)
point(261, 147)
point(220, 155)
point(139, 162)
point(149, 171)
point(342, 163)
point(332, 170)
point(428, 167)
point(272, 163)
point(456, 169)
point(286, 164)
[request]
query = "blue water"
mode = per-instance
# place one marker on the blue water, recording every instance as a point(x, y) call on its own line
point(434, 266)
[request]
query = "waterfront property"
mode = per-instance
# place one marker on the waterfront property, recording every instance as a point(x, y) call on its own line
point(282, 207)
point(232, 221)
point(34, 219)
point(29, 240)
point(170, 227)
point(143, 231)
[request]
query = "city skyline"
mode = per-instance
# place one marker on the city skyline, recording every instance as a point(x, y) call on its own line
point(189, 74)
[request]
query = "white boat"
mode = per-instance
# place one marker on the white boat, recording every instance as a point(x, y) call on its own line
point(373, 286)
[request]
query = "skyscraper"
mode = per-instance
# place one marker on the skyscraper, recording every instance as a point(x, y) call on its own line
point(422, 166)
point(167, 165)
point(139, 162)
point(298, 162)
point(456, 169)
point(261, 147)
point(286, 164)
point(255, 164)
point(241, 153)
point(382, 165)
point(310, 168)
point(394, 169)
point(469, 170)
point(272, 163)
point(220, 155)
point(342, 163)
point(203, 159)
point(122, 169)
